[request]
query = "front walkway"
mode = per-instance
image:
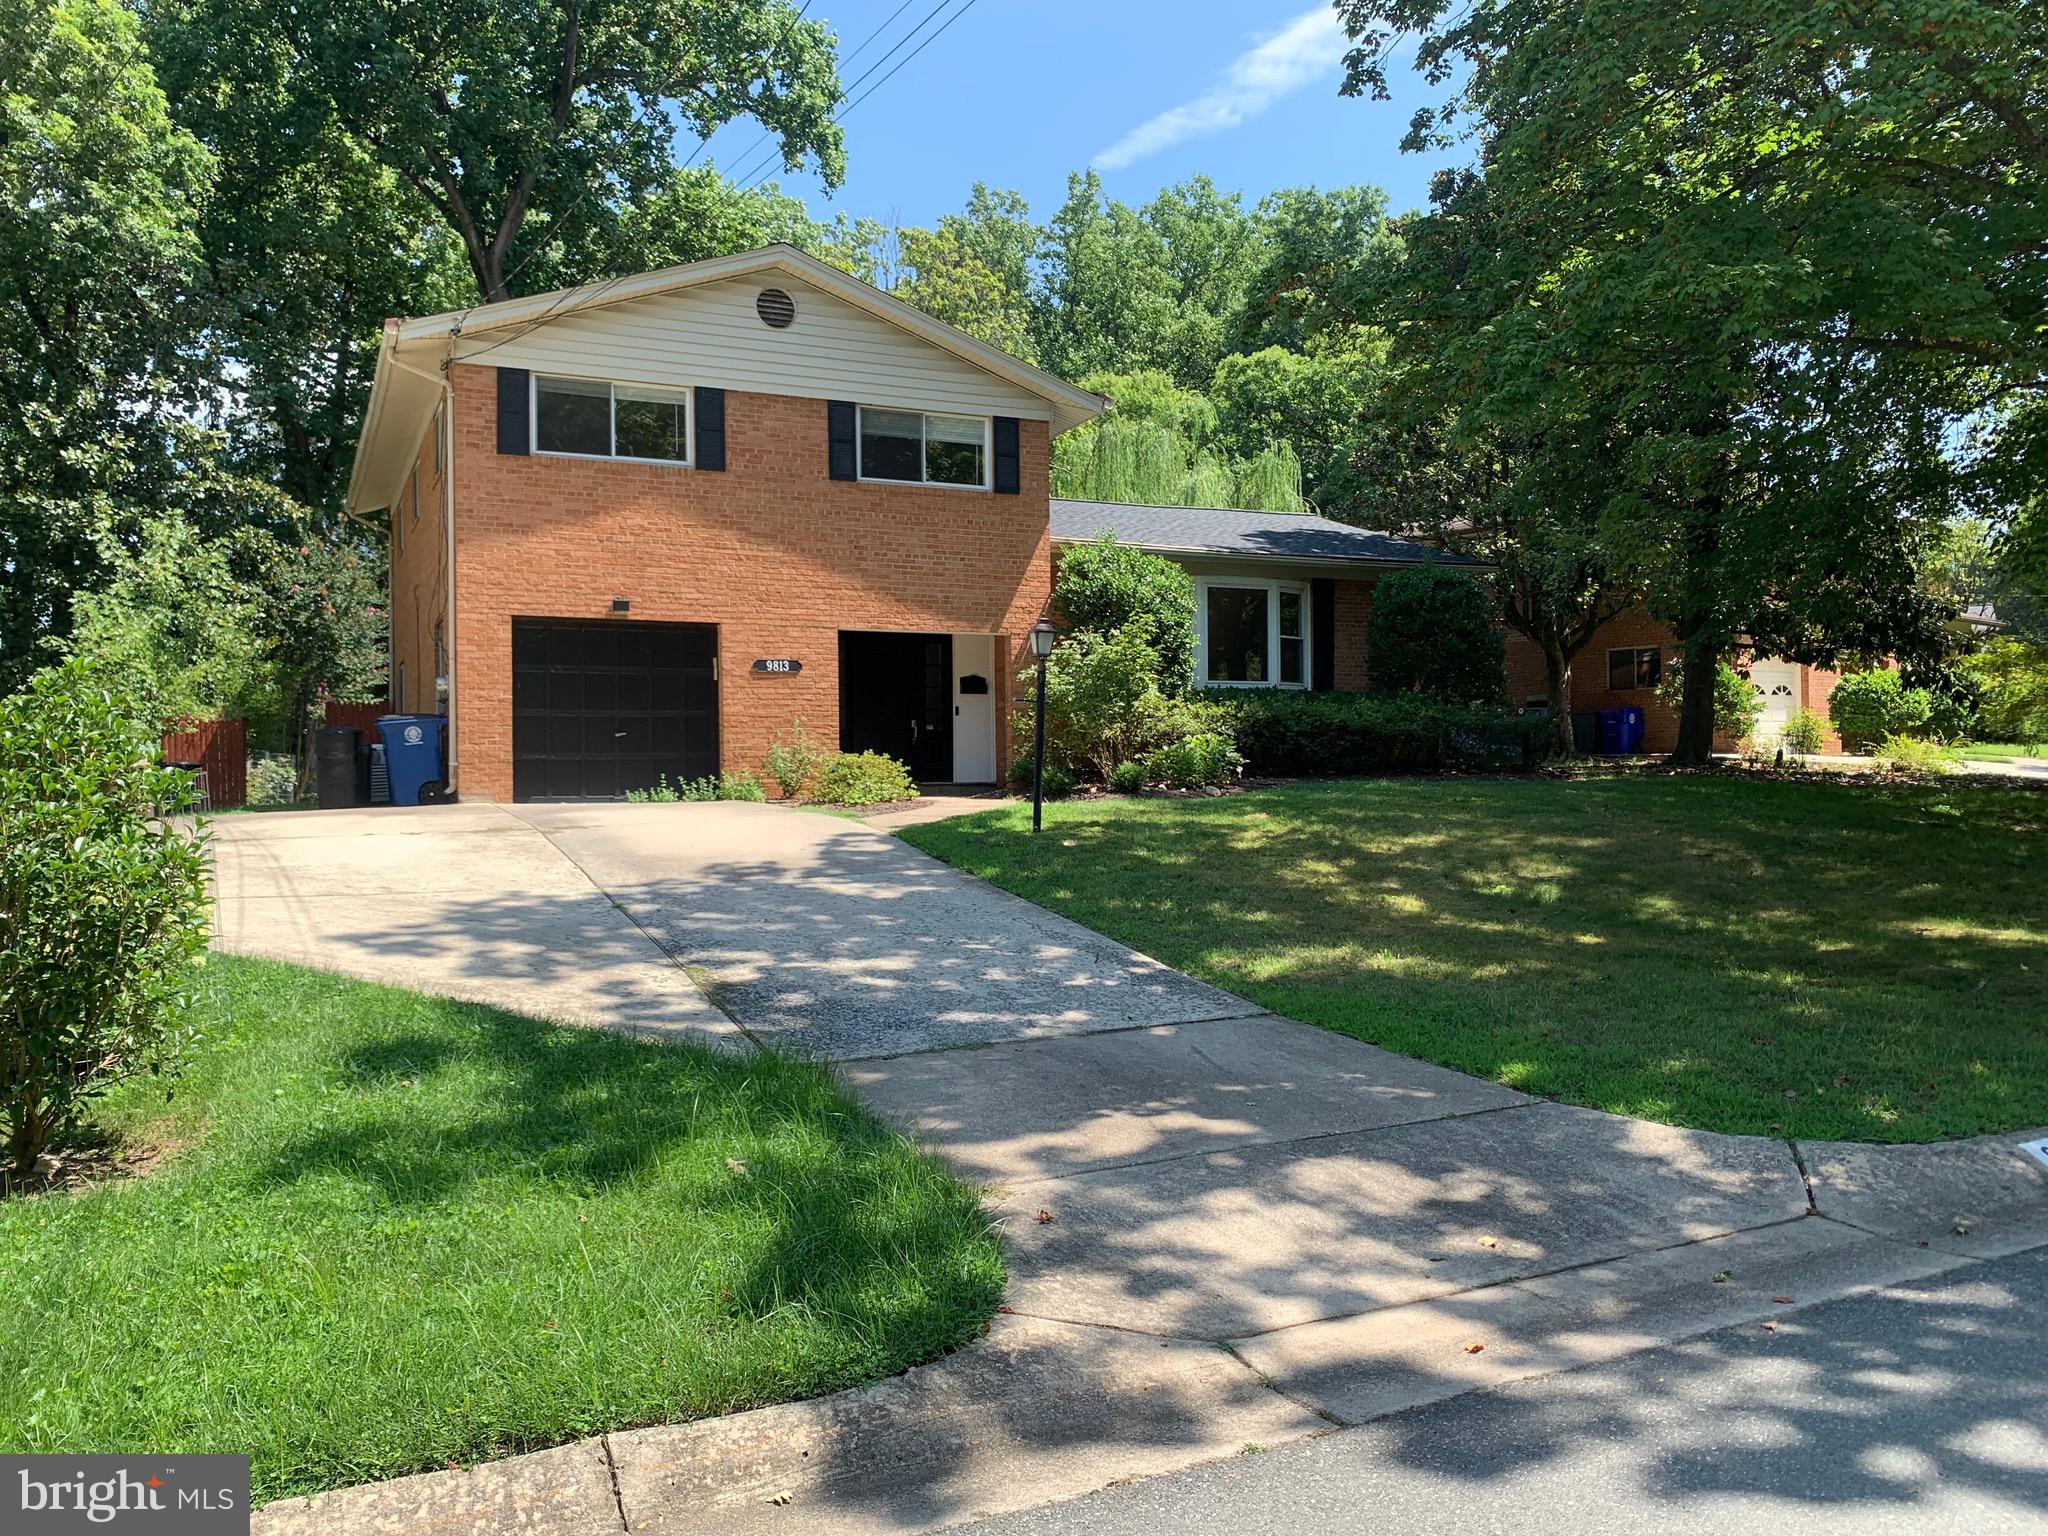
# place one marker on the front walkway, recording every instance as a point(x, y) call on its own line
point(1224, 1228)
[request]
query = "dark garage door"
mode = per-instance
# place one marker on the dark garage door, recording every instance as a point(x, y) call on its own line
point(601, 708)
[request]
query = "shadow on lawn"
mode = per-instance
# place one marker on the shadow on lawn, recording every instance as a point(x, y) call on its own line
point(817, 1203)
point(1778, 958)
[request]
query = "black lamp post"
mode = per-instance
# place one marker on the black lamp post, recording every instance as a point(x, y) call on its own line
point(1042, 637)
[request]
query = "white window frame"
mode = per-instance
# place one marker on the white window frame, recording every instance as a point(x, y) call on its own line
point(988, 447)
point(689, 400)
point(1272, 588)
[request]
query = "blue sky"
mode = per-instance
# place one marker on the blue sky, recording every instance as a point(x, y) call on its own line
point(1020, 92)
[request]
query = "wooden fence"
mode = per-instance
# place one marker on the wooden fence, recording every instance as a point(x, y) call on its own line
point(221, 747)
point(362, 716)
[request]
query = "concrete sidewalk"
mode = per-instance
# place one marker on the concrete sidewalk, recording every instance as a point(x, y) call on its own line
point(1223, 1227)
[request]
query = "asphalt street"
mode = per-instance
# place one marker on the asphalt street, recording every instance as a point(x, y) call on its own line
point(1921, 1408)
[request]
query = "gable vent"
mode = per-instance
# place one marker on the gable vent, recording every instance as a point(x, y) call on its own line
point(776, 308)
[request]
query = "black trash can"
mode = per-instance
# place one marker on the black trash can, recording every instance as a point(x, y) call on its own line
point(334, 768)
point(1585, 732)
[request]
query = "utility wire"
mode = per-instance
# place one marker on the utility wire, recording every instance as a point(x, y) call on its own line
point(840, 115)
point(747, 154)
point(750, 171)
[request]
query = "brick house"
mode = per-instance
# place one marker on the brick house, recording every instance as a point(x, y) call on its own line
point(1625, 661)
point(642, 527)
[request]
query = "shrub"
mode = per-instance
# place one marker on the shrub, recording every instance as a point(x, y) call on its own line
point(791, 763)
point(1910, 755)
point(1102, 700)
point(2012, 679)
point(1128, 777)
point(1104, 587)
point(1737, 704)
point(1433, 631)
point(1869, 708)
point(863, 778)
point(662, 792)
point(273, 779)
point(740, 785)
point(1288, 731)
point(1804, 733)
point(1201, 761)
point(103, 907)
point(1059, 783)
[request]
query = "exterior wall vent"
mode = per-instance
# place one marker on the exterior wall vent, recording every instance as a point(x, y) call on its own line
point(776, 308)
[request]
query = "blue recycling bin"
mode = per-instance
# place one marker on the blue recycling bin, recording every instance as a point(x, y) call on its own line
point(1610, 732)
point(412, 753)
point(1631, 730)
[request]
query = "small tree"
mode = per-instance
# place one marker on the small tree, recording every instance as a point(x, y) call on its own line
point(1868, 708)
point(103, 909)
point(1433, 631)
point(1105, 586)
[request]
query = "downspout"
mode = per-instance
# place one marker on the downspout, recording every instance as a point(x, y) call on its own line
point(446, 383)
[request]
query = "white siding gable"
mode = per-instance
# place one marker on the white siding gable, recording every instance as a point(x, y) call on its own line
point(711, 335)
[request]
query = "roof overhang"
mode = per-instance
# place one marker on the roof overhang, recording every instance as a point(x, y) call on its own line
point(1330, 565)
point(419, 350)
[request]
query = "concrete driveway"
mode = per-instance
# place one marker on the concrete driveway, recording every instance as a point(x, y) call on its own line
point(1175, 1169)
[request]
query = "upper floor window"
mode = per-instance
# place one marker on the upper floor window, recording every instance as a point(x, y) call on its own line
point(1635, 667)
point(923, 448)
point(611, 421)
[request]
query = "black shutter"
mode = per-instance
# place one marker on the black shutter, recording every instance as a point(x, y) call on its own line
point(1322, 634)
point(1008, 473)
point(709, 408)
point(844, 457)
point(515, 411)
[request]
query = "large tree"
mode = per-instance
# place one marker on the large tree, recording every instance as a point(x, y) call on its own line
point(529, 129)
point(1784, 248)
point(97, 193)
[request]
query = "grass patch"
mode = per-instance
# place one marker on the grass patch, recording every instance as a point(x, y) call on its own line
point(1999, 751)
point(1781, 958)
point(400, 1231)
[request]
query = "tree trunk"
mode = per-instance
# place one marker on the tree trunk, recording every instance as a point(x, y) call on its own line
point(1557, 688)
point(1696, 705)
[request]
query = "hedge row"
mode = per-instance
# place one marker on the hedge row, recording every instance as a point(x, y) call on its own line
point(1285, 731)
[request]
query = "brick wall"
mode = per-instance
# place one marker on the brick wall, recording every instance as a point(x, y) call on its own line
point(419, 583)
point(774, 552)
point(1636, 628)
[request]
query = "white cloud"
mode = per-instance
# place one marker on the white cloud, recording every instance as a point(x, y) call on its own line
point(1285, 62)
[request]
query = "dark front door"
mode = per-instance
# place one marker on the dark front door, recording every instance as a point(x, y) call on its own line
point(601, 707)
point(896, 697)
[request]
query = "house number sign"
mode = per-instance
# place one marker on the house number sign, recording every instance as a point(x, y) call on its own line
point(778, 666)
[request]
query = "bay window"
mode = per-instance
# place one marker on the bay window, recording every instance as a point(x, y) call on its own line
point(1252, 633)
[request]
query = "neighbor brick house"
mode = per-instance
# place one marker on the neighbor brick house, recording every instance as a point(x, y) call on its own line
point(1626, 660)
point(643, 527)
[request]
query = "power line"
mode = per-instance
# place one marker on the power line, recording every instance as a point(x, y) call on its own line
point(864, 95)
point(705, 142)
point(747, 154)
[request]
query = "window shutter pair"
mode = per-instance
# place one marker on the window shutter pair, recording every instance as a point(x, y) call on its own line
point(843, 448)
point(515, 419)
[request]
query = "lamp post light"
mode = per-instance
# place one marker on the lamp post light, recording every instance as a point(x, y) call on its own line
point(1042, 637)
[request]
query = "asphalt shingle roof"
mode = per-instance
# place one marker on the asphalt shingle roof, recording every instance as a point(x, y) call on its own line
point(1249, 535)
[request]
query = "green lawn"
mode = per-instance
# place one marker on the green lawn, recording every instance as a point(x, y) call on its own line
point(1799, 959)
point(396, 1231)
point(2000, 751)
